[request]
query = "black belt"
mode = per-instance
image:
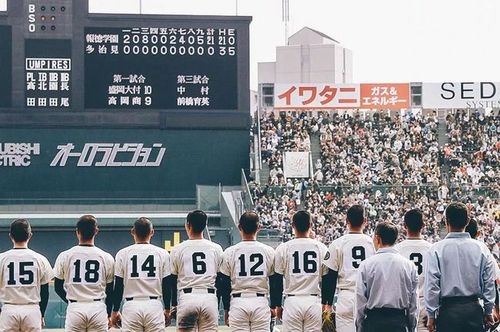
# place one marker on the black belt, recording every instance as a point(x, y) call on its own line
point(386, 311)
point(257, 294)
point(190, 290)
point(459, 300)
point(150, 297)
point(301, 294)
point(94, 300)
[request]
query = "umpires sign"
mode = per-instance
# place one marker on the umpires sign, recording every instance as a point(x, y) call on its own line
point(473, 95)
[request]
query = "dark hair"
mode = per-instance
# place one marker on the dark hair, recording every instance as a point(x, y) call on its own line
point(143, 227)
point(472, 228)
point(302, 221)
point(457, 215)
point(198, 221)
point(87, 227)
point(249, 222)
point(356, 215)
point(20, 230)
point(388, 232)
point(414, 220)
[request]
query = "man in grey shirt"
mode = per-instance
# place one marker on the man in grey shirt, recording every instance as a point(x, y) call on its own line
point(458, 272)
point(386, 288)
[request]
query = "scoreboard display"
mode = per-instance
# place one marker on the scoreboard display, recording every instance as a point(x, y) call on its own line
point(5, 66)
point(141, 106)
point(161, 68)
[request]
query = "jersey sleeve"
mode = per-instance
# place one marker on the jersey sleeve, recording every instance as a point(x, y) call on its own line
point(270, 261)
point(323, 250)
point(166, 268)
point(331, 260)
point(225, 267)
point(59, 271)
point(110, 268)
point(279, 260)
point(219, 254)
point(47, 274)
point(174, 262)
point(119, 265)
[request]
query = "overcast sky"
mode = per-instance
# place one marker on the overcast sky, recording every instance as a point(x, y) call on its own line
point(391, 40)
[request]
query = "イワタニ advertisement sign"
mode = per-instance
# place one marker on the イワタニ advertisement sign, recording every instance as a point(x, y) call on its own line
point(342, 96)
point(316, 96)
point(448, 95)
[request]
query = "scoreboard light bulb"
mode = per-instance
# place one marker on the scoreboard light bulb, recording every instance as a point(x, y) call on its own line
point(43, 8)
point(43, 28)
point(43, 18)
point(63, 8)
point(52, 18)
point(53, 28)
point(53, 8)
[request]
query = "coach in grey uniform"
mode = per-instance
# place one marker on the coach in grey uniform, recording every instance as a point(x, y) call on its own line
point(459, 272)
point(386, 288)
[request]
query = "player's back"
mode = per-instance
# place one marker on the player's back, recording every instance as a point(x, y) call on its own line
point(249, 264)
point(85, 270)
point(300, 261)
point(22, 272)
point(415, 251)
point(346, 254)
point(196, 263)
point(142, 267)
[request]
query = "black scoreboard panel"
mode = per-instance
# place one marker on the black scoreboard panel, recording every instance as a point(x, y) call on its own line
point(48, 73)
point(72, 68)
point(5, 66)
point(161, 67)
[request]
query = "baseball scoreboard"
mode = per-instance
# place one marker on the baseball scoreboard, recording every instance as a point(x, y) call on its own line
point(136, 106)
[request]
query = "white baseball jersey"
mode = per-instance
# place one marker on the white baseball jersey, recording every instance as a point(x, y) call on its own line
point(85, 270)
point(22, 272)
point(300, 261)
point(196, 263)
point(346, 254)
point(142, 267)
point(249, 264)
point(416, 251)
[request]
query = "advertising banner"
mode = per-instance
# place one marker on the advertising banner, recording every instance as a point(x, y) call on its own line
point(447, 95)
point(118, 163)
point(342, 96)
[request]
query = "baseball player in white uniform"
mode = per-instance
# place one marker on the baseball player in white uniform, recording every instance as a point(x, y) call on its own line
point(195, 264)
point(415, 249)
point(246, 271)
point(142, 273)
point(344, 257)
point(300, 263)
point(84, 277)
point(24, 283)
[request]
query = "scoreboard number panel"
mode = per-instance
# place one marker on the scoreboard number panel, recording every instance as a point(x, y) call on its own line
point(161, 68)
point(5, 66)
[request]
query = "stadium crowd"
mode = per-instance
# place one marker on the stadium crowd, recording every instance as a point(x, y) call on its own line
point(366, 159)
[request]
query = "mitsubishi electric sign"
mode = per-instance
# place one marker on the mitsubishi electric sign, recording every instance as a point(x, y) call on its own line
point(97, 164)
point(473, 95)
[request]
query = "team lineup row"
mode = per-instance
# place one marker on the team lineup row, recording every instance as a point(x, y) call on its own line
point(380, 286)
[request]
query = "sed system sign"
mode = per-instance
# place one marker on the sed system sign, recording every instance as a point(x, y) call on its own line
point(461, 95)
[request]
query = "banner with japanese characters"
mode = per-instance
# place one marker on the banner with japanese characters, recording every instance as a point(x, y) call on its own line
point(316, 96)
point(385, 96)
point(296, 165)
point(117, 163)
point(342, 96)
point(447, 95)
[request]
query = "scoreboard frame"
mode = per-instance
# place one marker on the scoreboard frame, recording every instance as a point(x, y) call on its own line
point(77, 116)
